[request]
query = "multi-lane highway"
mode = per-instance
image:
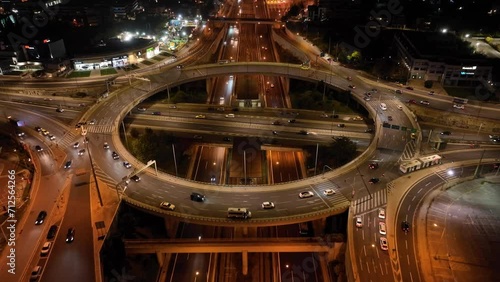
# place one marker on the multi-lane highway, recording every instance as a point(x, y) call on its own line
point(350, 184)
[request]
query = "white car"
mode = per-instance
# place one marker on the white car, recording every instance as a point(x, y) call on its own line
point(329, 192)
point(306, 194)
point(381, 213)
point(383, 243)
point(127, 165)
point(359, 222)
point(458, 106)
point(45, 249)
point(35, 273)
point(400, 107)
point(381, 228)
point(167, 206)
point(268, 205)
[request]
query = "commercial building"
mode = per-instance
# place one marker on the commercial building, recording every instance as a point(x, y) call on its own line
point(442, 57)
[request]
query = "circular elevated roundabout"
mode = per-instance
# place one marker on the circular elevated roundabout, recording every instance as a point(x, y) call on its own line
point(256, 194)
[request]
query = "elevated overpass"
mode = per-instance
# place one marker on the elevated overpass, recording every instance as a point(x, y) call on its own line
point(160, 247)
point(244, 20)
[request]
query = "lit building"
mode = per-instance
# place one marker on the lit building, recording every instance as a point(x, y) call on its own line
point(441, 57)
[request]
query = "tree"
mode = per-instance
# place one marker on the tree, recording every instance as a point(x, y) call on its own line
point(354, 56)
point(343, 150)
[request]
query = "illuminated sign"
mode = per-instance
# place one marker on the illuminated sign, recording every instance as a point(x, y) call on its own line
point(469, 68)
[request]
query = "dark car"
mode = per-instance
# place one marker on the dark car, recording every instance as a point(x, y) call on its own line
point(409, 88)
point(41, 217)
point(52, 232)
point(445, 133)
point(197, 197)
point(227, 139)
point(68, 164)
point(373, 180)
point(369, 130)
point(340, 125)
point(70, 236)
point(38, 148)
point(291, 121)
point(405, 226)
point(373, 165)
point(411, 101)
point(157, 113)
point(38, 128)
point(115, 156)
point(136, 178)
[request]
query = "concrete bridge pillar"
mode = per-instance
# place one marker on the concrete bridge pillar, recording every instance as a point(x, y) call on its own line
point(244, 262)
point(171, 226)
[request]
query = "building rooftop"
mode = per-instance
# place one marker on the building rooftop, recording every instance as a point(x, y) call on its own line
point(439, 46)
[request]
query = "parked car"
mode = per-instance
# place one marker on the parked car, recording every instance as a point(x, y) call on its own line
point(36, 273)
point(52, 232)
point(45, 249)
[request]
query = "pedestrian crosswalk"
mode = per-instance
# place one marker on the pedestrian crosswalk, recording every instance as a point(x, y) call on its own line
point(104, 177)
point(326, 185)
point(409, 151)
point(100, 129)
point(450, 174)
point(67, 139)
point(370, 202)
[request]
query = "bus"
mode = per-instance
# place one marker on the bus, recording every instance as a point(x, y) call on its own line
point(412, 165)
point(460, 100)
point(238, 213)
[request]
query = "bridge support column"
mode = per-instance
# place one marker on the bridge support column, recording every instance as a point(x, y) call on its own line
point(244, 262)
point(163, 262)
point(171, 226)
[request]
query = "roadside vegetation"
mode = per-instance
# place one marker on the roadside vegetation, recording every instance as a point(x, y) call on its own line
point(338, 153)
point(148, 145)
